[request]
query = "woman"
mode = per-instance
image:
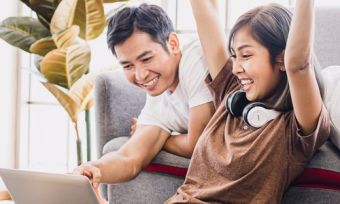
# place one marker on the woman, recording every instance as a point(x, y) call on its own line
point(255, 156)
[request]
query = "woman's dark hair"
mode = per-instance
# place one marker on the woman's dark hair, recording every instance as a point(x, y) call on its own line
point(269, 25)
point(150, 19)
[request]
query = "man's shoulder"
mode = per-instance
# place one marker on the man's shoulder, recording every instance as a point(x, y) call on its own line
point(192, 60)
point(192, 47)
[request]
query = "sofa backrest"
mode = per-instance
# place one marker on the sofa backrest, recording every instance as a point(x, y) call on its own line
point(116, 102)
point(327, 50)
point(327, 35)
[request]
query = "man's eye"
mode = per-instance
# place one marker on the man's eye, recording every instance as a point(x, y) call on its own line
point(146, 60)
point(127, 66)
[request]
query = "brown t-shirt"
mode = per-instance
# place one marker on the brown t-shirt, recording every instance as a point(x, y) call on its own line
point(234, 163)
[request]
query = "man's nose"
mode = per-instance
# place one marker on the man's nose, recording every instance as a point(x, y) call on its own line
point(141, 73)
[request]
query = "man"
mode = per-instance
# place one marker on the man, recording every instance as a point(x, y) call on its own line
point(178, 102)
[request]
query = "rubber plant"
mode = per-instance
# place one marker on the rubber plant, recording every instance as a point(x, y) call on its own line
point(58, 36)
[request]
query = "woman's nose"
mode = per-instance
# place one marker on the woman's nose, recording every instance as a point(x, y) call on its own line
point(237, 68)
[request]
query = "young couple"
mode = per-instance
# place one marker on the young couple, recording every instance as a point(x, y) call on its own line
point(246, 153)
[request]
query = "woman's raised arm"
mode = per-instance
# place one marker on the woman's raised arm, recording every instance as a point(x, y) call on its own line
point(304, 89)
point(210, 31)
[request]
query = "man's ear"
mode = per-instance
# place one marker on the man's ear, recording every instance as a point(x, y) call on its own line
point(173, 43)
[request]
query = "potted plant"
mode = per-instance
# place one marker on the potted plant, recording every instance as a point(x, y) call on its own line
point(58, 36)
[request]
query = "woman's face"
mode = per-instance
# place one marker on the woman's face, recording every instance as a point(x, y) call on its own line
point(253, 67)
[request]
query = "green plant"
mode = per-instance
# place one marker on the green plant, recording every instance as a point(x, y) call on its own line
point(64, 57)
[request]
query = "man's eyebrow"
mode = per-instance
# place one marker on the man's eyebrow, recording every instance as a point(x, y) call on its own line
point(138, 57)
point(143, 54)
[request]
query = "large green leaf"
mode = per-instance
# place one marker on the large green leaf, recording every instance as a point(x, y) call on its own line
point(22, 32)
point(87, 14)
point(43, 46)
point(65, 66)
point(43, 8)
point(77, 98)
point(67, 37)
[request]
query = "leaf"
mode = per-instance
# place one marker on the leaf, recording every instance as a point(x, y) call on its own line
point(22, 32)
point(65, 101)
point(113, 1)
point(43, 8)
point(87, 14)
point(66, 38)
point(43, 46)
point(37, 59)
point(75, 100)
point(65, 66)
point(81, 92)
point(89, 104)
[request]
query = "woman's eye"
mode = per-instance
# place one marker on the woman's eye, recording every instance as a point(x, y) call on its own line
point(246, 56)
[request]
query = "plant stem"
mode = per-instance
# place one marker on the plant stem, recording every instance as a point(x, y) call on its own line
point(88, 134)
point(79, 148)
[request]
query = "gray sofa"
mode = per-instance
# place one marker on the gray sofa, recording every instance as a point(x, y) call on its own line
point(116, 102)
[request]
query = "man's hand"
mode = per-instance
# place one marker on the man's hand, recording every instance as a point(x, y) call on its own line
point(133, 125)
point(99, 197)
point(91, 172)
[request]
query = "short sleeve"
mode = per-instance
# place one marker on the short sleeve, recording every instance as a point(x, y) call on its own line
point(224, 83)
point(303, 147)
point(193, 71)
point(151, 114)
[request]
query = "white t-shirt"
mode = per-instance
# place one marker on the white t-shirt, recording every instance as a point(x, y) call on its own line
point(170, 111)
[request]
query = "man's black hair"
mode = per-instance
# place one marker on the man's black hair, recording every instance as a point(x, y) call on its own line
point(150, 19)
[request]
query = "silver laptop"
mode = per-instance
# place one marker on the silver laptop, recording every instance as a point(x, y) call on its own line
point(28, 187)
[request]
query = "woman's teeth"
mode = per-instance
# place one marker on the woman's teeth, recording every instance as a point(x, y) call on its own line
point(246, 81)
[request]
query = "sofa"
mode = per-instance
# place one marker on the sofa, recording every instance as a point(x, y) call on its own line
point(116, 102)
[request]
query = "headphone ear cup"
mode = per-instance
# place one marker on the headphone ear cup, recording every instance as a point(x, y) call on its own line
point(258, 114)
point(236, 102)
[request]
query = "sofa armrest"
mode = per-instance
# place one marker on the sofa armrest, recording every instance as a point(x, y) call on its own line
point(116, 102)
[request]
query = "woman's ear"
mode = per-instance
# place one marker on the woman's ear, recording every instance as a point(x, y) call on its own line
point(173, 43)
point(280, 61)
point(280, 58)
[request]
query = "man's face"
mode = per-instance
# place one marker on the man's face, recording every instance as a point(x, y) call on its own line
point(147, 64)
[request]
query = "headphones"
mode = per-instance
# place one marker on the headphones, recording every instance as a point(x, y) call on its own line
point(255, 114)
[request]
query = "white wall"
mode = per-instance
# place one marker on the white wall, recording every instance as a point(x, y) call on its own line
point(8, 94)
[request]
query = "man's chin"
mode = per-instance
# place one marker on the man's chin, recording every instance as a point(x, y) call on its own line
point(152, 93)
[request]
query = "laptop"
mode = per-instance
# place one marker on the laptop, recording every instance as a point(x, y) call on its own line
point(30, 187)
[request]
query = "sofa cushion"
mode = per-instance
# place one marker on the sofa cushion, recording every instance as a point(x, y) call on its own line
point(163, 160)
point(323, 171)
point(331, 77)
point(298, 195)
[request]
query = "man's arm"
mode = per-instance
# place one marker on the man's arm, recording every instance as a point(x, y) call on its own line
point(184, 144)
point(128, 161)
